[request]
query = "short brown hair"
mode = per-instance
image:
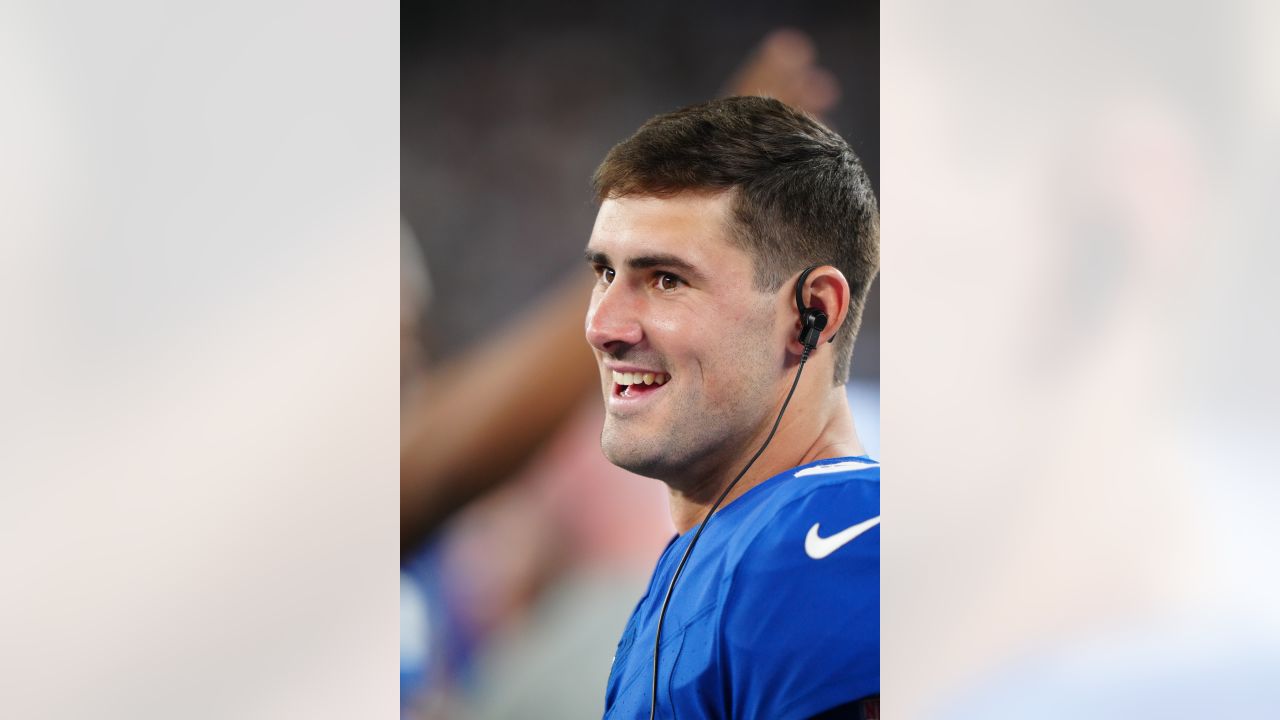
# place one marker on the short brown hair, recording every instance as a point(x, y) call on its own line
point(801, 196)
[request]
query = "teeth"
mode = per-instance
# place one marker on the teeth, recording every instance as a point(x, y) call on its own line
point(629, 378)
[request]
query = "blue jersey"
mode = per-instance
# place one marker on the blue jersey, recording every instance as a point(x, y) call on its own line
point(777, 612)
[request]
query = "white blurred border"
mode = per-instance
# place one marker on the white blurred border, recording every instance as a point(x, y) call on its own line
point(1078, 356)
point(199, 298)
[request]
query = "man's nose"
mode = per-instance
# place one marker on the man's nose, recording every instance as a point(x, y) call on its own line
point(613, 320)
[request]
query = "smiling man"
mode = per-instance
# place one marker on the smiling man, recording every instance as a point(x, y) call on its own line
point(709, 217)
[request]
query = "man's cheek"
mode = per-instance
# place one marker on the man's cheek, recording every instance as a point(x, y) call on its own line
point(666, 328)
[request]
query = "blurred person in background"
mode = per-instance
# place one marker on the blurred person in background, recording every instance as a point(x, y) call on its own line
point(507, 507)
point(736, 239)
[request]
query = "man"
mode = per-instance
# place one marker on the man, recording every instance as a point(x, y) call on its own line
point(708, 218)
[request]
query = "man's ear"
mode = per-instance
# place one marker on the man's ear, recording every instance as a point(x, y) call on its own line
point(825, 289)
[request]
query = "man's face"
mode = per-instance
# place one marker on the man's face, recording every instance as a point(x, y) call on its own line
point(675, 304)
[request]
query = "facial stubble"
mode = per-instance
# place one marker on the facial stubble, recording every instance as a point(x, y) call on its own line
point(704, 422)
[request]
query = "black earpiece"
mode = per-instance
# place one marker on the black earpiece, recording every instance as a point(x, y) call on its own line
point(812, 322)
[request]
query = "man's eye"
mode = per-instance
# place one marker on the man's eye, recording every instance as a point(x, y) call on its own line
point(667, 281)
point(607, 274)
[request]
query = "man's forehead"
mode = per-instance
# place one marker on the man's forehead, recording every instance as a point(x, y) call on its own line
point(694, 226)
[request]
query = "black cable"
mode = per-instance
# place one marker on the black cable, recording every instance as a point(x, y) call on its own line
point(657, 640)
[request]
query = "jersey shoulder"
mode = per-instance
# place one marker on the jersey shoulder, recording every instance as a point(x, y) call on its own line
point(807, 510)
point(801, 601)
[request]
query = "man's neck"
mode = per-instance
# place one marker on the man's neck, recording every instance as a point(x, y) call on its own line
point(809, 432)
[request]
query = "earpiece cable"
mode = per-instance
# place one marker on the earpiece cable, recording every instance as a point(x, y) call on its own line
point(657, 640)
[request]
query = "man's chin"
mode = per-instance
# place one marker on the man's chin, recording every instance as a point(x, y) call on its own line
point(638, 463)
point(641, 458)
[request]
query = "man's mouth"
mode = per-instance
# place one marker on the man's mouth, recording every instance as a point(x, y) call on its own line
point(634, 384)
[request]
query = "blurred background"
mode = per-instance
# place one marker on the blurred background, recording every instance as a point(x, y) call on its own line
point(523, 550)
point(1080, 386)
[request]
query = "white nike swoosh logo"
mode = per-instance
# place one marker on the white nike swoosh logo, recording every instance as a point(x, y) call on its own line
point(820, 547)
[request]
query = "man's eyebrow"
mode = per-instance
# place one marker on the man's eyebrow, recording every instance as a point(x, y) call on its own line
point(643, 262)
point(675, 262)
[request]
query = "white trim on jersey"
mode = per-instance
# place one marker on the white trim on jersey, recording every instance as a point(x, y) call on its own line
point(847, 465)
